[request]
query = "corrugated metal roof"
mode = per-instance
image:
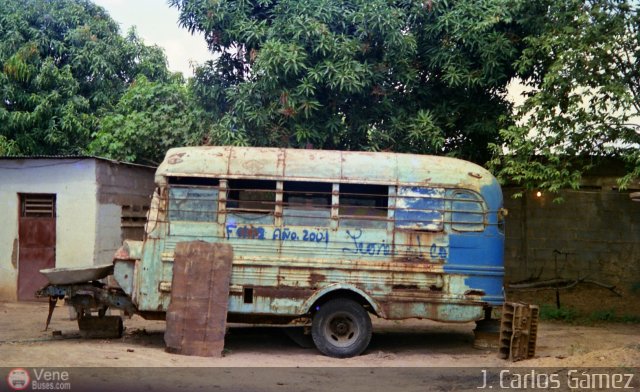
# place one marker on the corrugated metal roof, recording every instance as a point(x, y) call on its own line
point(69, 157)
point(321, 165)
point(48, 157)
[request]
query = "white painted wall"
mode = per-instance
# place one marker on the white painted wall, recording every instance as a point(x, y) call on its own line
point(74, 184)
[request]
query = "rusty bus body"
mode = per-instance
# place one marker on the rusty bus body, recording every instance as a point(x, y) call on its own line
point(326, 237)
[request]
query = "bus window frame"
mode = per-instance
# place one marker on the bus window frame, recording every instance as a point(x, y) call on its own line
point(195, 183)
point(477, 199)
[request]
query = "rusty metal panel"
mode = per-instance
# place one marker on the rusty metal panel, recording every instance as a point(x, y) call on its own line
point(32, 260)
point(37, 239)
point(37, 233)
point(421, 246)
point(197, 314)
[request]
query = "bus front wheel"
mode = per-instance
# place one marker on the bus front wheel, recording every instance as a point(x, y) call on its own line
point(341, 328)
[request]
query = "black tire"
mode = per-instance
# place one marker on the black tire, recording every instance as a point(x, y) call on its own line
point(341, 328)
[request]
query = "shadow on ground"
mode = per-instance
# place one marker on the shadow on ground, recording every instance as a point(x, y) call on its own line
point(267, 339)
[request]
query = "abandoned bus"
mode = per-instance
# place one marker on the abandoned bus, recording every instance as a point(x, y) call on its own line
point(325, 238)
point(331, 236)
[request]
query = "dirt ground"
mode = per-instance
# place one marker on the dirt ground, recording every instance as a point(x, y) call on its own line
point(406, 344)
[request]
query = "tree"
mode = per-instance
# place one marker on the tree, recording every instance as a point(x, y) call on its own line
point(581, 64)
point(408, 76)
point(150, 118)
point(62, 65)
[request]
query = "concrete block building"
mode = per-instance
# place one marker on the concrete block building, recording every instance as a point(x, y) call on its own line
point(65, 212)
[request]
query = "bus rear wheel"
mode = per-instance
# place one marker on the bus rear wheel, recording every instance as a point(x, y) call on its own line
point(341, 328)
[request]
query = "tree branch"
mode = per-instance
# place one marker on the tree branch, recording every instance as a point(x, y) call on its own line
point(559, 284)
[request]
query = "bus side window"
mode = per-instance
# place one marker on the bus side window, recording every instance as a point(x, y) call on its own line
point(467, 212)
point(193, 199)
point(306, 203)
point(420, 208)
point(251, 201)
point(364, 206)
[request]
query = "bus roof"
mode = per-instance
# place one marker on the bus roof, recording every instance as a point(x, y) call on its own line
point(321, 166)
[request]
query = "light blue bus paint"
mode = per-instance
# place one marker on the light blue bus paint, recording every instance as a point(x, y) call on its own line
point(481, 255)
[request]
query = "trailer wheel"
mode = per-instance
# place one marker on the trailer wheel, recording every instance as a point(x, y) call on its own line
point(341, 328)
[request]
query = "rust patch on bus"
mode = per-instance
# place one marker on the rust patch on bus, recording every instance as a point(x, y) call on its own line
point(405, 287)
point(175, 158)
point(315, 278)
point(420, 245)
point(397, 310)
point(411, 260)
point(283, 292)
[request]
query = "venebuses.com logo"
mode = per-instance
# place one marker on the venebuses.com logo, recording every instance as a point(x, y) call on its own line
point(18, 379)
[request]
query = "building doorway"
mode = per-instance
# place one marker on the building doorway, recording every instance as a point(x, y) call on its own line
point(37, 242)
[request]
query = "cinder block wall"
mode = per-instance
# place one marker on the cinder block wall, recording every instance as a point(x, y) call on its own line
point(124, 195)
point(593, 235)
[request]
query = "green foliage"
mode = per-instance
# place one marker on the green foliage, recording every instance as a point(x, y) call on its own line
point(7, 147)
point(423, 77)
point(609, 315)
point(551, 312)
point(150, 118)
point(631, 319)
point(379, 75)
point(581, 65)
point(571, 315)
point(62, 65)
point(603, 315)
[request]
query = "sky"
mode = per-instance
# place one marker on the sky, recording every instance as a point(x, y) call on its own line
point(157, 24)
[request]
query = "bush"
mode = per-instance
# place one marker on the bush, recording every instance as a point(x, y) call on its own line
point(550, 312)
